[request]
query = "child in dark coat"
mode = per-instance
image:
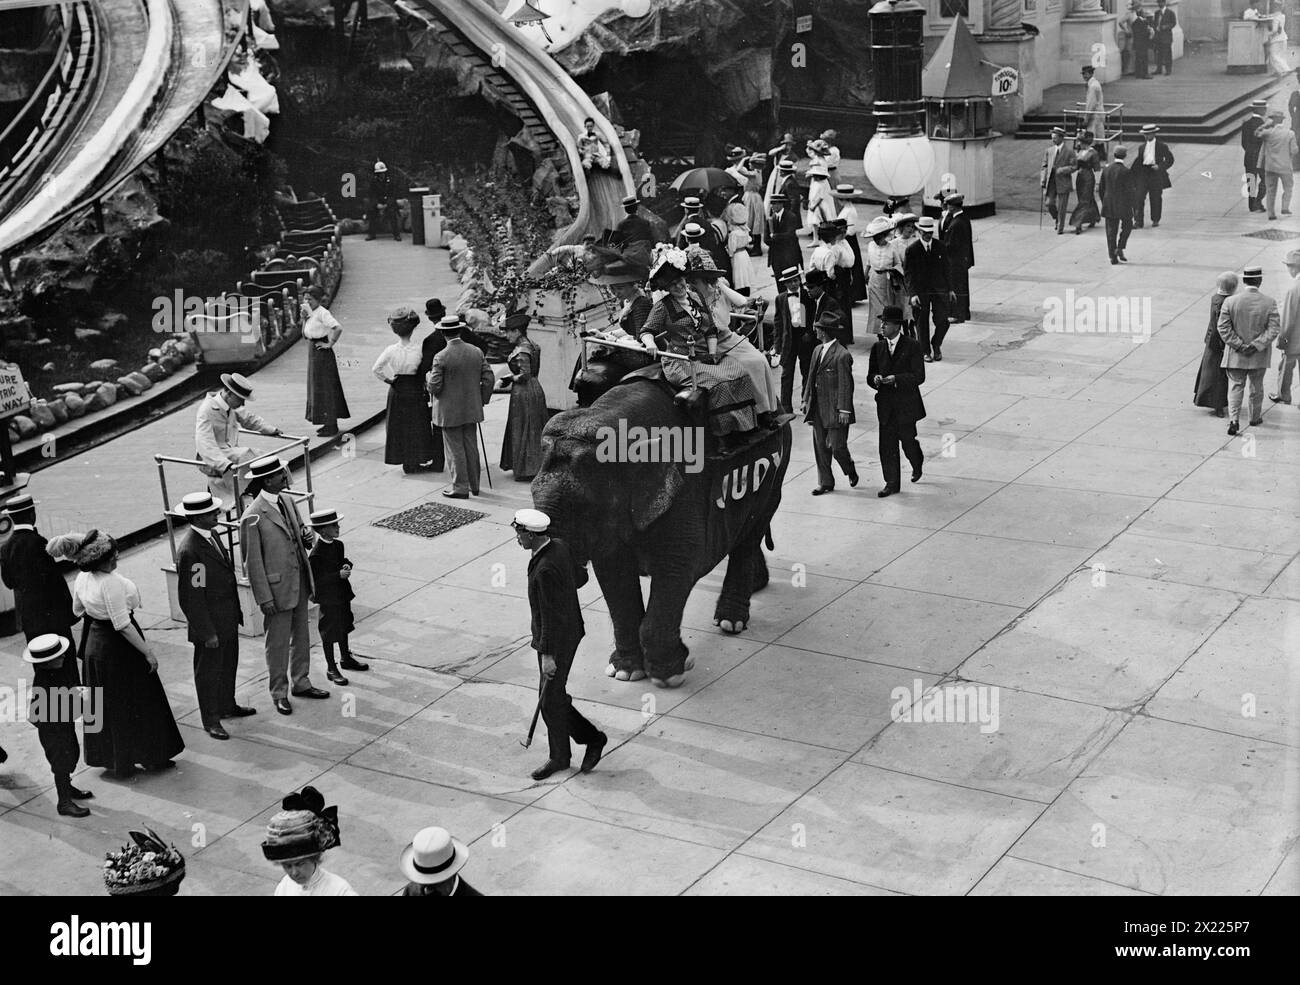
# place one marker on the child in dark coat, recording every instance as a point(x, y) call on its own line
point(332, 572)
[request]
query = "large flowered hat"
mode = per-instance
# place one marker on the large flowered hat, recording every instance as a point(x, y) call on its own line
point(147, 867)
point(667, 260)
point(699, 263)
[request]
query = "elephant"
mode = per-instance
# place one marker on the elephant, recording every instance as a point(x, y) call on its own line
point(628, 487)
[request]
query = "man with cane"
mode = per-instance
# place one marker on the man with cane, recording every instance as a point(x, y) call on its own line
point(557, 631)
point(460, 382)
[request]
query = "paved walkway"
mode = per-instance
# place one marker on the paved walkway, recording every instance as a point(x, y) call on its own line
point(116, 484)
point(1084, 541)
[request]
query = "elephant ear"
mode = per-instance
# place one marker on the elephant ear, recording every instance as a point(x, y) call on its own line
point(653, 491)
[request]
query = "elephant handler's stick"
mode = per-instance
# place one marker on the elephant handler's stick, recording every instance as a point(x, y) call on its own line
point(486, 465)
point(541, 694)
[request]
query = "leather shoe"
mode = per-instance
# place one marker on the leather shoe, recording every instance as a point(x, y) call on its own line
point(547, 768)
point(335, 677)
point(916, 473)
point(311, 692)
point(282, 706)
point(1232, 427)
point(1122, 257)
point(240, 711)
point(928, 358)
point(822, 490)
point(853, 478)
point(77, 794)
point(451, 494)
point(594, 749)
point(1256, 421)
point(350, 663)
point(1114, 262)
point(216, 731)
point(887, 491)
point(938, 356)
point(70, 808)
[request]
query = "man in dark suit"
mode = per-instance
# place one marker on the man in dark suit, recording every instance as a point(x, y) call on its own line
point(787, 184)
point(382, 199)
point(896, 372)
point(1141, 27)
point(41, 596)
point(958, 245)
point(925, 269)
point(460, 382)
point(828, 405)
point(434, 342)
point(817, 284)
point(44, 607)
point(1150, 169)
point(1162, 30)
point(792, 330)
point(557, 631)
point(209, 597)
point(1116, 190)
point(782, 236)
point(1250, 144)
point(633, 228)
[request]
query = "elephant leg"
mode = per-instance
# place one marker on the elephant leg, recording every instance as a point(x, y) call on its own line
point(746, 573)
point(666, 657)
point(621, 587)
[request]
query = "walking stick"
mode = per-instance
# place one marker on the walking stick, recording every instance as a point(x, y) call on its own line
point(541, 693)
point(1041, 199)
point(487, 467)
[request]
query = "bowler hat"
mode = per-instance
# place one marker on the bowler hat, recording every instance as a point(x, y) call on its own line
point(433, 856)
point(893, 314)
point(816, 278)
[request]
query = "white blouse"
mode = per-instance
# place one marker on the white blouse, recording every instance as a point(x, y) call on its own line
point(850, 214)
point(105, 595)
point(399, 359)
point(319, 324)
point(321, 883)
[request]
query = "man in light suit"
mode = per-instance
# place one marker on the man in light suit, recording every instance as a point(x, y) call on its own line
point(275, 559)
point(1056, 178)
point(828, 405)
point(1276, 152)
point(460, 383)
point(1248, 322)
point(209, 597)
point(896, 372)
point(216, 434)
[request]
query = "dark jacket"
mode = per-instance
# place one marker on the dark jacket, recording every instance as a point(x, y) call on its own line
point(671, 323)
point(435, 342)
point(786, 339)
point(462, 889)
point(1163, 23)
point(553, 598)
point(958, 243)
point(814, 309)
point(1250, 141)
point(1141, 33)
point(829, 386)
point(41, 596)
point(205, 585)
point(926, 271)
point(901, 401)
point(633, 229)
point(326, 561)
point(1159, 175)
point(1116, 190)
point(382, 188)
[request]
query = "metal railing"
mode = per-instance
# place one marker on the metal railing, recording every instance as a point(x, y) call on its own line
point(30, 123)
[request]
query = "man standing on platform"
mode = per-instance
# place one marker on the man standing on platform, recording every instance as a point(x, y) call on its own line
point(1116, 190)
point(1250, 144)
point(1162, 27)
point(209, 597)
point(896, 373)
point(958, 244)
point(1094, 108)
point(216, 434)
point(1151, 175)
point(460, 382)
point(557, 631)
point(1248, 323)
point(925, 270)
point(1141, 26)
point(1056, 177)
point(275, 559)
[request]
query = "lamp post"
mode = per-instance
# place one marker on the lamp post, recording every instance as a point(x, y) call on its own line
point(898, 159)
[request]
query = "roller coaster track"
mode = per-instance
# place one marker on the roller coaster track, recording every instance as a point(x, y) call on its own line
point(541, 94)
point(141, 67)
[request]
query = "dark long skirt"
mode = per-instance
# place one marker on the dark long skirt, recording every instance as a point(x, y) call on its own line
point(136, 722)
point(959, 277)
point(325, 400)
point(409, 441)
point(859, 274)
point(1085, 184)
point(521, 448)
point(1211, 379)
point(842, 289)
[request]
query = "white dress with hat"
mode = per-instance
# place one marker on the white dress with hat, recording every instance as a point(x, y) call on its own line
point(742, 271)
point(884, 279)
point(821, 204)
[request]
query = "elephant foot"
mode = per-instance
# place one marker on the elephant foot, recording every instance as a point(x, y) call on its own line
point(624, 675)
point(731, 626)
point(676, 680)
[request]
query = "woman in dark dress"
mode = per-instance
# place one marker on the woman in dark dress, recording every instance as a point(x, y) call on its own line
point(325, 400)
point(136, 723)
point(433, 344)
point(521, 448)
point(1211, 379)
point(409, 439)
point(1085, 183)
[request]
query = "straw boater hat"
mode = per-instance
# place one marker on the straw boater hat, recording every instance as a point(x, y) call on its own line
point(845, 190)
point(323, 518)
point(263, 467)
point(1292, 259)
point(693, 230)
point(786, 165)
point(925, 224)
point(736, 154)
point(692, 203)
point(238, 385)
point(630, 202)
point(1150, 129)
point(1255, 274)
point(198, 504)
point(1259, 105)
point(45, 648)
point(434, 856)
point(880, 224)
point(535, 522)
point(1060, 130)
point(789, 274)
point(817, 171)
point(450, 323)
point(303, 827)
point(954, 198)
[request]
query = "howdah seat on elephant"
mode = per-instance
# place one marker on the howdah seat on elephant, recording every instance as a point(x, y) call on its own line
point(629, 486)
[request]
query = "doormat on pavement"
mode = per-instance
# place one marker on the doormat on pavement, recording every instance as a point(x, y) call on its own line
point(429, 519)
point(1275, 234)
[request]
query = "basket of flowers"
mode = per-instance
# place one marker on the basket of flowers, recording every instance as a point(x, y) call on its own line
point(148, 867)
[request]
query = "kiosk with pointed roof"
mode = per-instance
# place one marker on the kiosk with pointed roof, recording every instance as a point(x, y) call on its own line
point(957, 86)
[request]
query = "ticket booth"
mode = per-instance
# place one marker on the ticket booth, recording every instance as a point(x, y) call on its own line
point(957, 86)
